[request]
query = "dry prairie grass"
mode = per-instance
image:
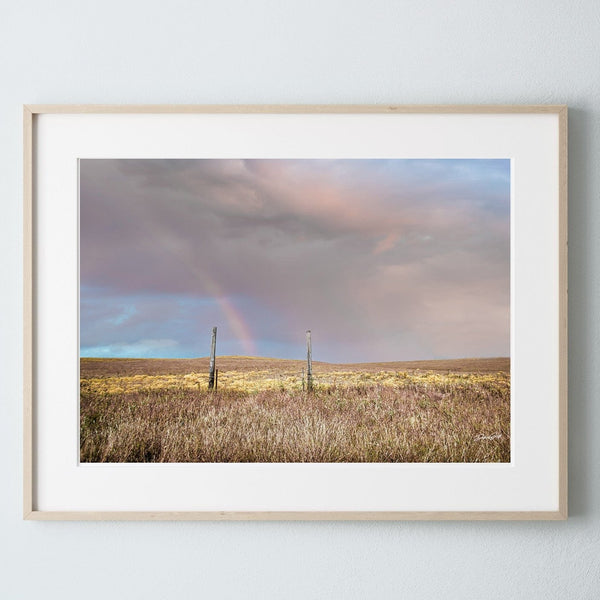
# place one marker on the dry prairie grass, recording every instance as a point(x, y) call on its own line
point(262, 414)
point(104, 367)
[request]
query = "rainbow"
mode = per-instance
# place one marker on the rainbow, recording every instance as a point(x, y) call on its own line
point(234, 317)
point(232, 314)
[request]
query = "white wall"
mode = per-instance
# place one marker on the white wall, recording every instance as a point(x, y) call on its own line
point(327, 51)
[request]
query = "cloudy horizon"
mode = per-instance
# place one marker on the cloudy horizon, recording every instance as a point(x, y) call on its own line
point(384, 260)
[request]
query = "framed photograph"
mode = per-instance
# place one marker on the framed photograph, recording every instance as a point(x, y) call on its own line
point(295, 312)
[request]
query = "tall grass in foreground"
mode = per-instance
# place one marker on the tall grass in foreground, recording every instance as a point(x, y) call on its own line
point(421, 419)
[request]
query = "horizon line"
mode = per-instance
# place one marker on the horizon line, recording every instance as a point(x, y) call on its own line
point(287, 359)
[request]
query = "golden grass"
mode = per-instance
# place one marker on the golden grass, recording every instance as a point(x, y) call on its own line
point(263, 415)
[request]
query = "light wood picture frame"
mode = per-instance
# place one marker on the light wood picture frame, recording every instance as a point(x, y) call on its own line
point(531, 486)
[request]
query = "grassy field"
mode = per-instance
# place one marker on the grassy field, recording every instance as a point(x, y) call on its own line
point(159, 410)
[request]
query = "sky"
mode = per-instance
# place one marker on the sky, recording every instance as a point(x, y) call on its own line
point(383, 260)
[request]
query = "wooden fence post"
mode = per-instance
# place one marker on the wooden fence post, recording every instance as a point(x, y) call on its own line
point(309, 378)
point(216, 379)
point(213, 348)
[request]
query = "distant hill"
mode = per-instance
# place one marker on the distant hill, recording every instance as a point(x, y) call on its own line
point(102, 367)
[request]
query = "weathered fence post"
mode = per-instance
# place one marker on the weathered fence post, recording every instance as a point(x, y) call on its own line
point(309, 379)
point(303, 384)
point(213, 348)
point(216, 379)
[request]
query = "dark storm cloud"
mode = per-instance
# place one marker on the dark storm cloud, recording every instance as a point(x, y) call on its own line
point(383, 259)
